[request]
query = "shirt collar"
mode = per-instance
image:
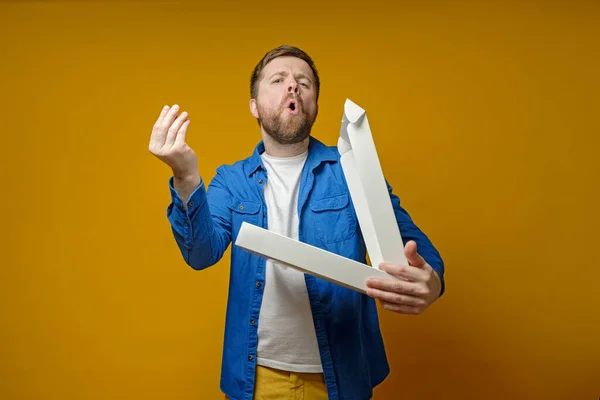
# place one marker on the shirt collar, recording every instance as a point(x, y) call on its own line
point(317, 153)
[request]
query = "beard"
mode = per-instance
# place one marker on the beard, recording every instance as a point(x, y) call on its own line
point(285, 128)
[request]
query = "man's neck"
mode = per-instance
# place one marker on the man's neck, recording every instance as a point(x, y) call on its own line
point(274, 149)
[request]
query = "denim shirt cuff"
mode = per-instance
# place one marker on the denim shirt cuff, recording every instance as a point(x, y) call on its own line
point(180, 218)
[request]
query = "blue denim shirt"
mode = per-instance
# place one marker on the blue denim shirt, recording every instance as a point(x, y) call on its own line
point(346, 322)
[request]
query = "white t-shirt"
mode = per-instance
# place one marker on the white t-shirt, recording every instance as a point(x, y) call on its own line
point(286, 332)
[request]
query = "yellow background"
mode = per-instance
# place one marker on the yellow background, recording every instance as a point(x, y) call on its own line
point(485, 115)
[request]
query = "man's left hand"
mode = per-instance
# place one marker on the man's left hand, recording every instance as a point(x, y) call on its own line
point(417, 289)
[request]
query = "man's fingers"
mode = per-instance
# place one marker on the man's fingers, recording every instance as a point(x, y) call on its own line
point(163, 112)
point(413, 258)
point(396, 298)
point(167, 120)
point(401, 309)
point(174, 128)
point(180, 138)
point(405, 271)
point(157, 139)
point(397, 286)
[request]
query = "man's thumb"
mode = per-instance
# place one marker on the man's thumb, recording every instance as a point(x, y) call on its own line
point(413, 258)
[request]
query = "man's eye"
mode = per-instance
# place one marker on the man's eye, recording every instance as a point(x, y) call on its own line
point(277, 80)
point(304, 84)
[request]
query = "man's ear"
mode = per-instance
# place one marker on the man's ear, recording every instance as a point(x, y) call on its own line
point(253, 108)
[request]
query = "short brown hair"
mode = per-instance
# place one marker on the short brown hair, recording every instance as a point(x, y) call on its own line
point(282, 51)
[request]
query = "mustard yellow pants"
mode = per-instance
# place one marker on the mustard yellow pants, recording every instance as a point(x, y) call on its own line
point(273, 384)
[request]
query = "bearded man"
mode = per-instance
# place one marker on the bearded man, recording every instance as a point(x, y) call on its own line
point(290, 334)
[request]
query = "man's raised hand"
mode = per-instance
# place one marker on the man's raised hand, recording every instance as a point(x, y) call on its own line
point(167, 142)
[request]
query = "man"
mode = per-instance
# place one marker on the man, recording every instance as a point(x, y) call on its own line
point(287, 333)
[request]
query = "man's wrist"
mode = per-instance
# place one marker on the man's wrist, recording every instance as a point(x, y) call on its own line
point(186, 185)
point(186, 179)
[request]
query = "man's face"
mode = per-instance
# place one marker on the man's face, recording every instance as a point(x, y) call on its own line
point(286, 103)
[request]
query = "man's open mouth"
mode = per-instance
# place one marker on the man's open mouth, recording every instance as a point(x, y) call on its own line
point(292, 107)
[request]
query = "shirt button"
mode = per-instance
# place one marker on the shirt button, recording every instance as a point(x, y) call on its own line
point(257, 284)
point(250, 357)
point(191, 203)
point(241, 207)
point(260, 181)
point(252, 321)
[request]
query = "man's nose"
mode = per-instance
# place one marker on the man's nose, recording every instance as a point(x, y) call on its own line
point(293, 86)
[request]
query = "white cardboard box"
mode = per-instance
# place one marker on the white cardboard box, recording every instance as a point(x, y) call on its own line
point(374, 210)
point(306, 258)
point(368, 188)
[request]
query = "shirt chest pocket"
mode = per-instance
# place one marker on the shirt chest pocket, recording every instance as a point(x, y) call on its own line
point(333, 218)
point(243, 211)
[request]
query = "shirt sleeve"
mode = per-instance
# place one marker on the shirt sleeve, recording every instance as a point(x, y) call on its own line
point(410, 231)
point(203, 231)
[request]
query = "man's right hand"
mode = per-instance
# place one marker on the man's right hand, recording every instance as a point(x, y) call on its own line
point(167, 142)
